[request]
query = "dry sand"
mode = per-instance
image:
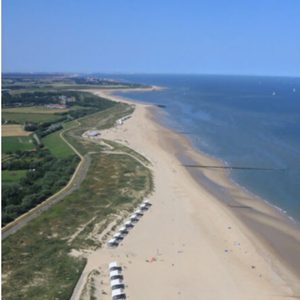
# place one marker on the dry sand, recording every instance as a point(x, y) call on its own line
point(202, 248)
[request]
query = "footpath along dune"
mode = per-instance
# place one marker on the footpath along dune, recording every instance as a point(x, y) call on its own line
point(201, 249)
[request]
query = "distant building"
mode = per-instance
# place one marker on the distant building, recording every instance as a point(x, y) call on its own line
point(93, 133)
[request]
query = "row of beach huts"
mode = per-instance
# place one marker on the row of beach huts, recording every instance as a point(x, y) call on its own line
point(120, 121)
point(116, 278)
point(123, 231)
point(115, 271)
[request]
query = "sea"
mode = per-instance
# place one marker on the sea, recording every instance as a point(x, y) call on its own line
point(249, 123)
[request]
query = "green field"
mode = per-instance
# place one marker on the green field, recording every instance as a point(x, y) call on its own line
point(39, 109)
point(29, 117)
point(12, 176)
point(57, 146)
point(13, 143)
point(33, 110)
point(68, 125)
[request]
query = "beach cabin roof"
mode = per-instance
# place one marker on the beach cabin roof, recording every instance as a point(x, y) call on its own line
point(118, 234)
point(138, 211)
point(122, 229)
point(133, 216)
point(113, 273)
point(93, 133)
point(111, 241)
point(116, 292)
point(128, 223)
point(113, 264)
point(146, 201)
point(143, 205)
point(115, 282)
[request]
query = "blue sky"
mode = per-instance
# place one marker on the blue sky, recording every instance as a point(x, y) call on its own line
point(190, 36)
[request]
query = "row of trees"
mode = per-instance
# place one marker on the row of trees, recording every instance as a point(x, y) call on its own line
point(46, 175)
point(43, 98)
point(36, 98)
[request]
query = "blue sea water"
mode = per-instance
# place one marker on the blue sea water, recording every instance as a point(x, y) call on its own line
point(244, 121)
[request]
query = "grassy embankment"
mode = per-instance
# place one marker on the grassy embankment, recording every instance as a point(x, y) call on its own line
point(36, 259)
point(57, 146)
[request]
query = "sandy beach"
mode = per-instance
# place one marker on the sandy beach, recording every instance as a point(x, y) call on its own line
point(203, 248)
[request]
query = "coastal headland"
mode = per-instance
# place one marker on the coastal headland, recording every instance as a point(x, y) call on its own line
point(191, 244)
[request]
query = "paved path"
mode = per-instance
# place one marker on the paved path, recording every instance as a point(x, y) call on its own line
point(37, 139)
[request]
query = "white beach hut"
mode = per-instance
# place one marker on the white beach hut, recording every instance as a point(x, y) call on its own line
point(147, 202)
point(143, 207)
point(139, 213)
point(115, 275)
point(113, 266)
point(118, 236)
point(118, 294)
point(112, 243)
point(116, 284)
point(128, 225)
point(134, 218)
point(123, 230)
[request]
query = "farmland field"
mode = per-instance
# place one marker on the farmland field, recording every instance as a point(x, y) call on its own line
point(29, 117)
point(57, 146)
point(13, 143)
point(39, 110)
point(34, 110)
point(12, 176)
point(13, 130)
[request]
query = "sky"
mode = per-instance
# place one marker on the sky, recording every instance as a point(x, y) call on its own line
point(158, 36)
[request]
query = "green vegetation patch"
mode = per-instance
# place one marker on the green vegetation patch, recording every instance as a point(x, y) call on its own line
point(44, 177)
point(57, 146)
point(39, 109)
point(100, 121)
point(36, 260)
point(122, 148)
point(32, 110)
point(29, 117)
point(68, 125)
point(12, 176)
point(40, 266)
point(14, 143)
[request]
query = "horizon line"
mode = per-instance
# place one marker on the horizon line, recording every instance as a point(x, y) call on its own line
point(143, 73)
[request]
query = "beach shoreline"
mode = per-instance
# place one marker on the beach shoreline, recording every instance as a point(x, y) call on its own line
point(225, 241)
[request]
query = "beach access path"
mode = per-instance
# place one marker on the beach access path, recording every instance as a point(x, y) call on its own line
point(201, 250)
